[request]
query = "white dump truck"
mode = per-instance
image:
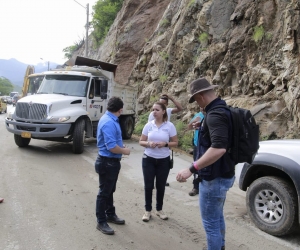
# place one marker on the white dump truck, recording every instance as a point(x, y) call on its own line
point(69, 104)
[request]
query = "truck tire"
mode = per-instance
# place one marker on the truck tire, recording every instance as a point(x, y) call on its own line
point(20, 141)
point(272, 205)
point(127, 126)
point(78, 136)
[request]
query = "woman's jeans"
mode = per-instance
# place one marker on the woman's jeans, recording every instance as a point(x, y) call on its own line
point(108, 170)
point(212, 195)
point(155, 169)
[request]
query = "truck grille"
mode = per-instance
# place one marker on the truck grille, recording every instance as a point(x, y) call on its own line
point(34, 111)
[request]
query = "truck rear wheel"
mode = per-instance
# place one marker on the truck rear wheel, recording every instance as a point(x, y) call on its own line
point(21, 142)
point(78, 137)
point(127, 126)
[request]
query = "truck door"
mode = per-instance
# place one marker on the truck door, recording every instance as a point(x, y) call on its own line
point(96, 103)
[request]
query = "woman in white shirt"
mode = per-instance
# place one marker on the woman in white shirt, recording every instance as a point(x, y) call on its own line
point(157, 136)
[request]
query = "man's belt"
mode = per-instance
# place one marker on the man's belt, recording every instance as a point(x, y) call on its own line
point(109, 158)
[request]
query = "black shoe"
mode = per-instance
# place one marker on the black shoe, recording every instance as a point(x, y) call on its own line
point(115, 219)
point(167, 184)
point(104, 228)
point(194, 192)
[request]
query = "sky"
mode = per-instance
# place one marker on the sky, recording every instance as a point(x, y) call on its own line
point(35, 29)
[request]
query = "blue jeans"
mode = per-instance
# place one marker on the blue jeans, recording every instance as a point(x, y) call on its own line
point(212, 195)
point(108, 171)
point(155, 169)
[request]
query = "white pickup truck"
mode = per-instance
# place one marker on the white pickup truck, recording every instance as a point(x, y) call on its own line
point(69, 104)
point(272, 183)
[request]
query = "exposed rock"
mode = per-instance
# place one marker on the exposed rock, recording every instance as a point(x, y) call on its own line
point(249, 48)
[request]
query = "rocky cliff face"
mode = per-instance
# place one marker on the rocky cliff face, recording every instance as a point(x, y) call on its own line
point(250, 48)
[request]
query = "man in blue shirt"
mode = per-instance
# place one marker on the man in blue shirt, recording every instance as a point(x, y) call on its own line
point(107, 165)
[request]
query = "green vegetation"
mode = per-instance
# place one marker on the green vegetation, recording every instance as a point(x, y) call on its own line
point(105, 12)
point(71, 49)
point(269, 36)
point(5, 86)
point(163, 78)
point(259, 33)
point(184, 136)
point(192, 2)
point(164, 55)
point(203, 38)
point(153, 99)
point(164, 22)
point(143, 119)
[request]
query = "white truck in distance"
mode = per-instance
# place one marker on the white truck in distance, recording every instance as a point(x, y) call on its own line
point(69, 104)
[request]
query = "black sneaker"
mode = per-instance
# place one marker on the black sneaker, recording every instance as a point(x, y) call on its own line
point(194, 192)
point(104, 228)
point(115, 219)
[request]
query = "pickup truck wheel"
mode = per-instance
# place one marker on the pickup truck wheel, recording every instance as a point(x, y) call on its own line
point(20, 141)
point(127, 126)
point(272, 205)
point(78, 137)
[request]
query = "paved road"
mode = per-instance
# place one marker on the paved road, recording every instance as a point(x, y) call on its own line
point(50, 201)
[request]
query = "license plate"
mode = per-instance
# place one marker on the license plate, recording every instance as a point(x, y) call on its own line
point(26, 134)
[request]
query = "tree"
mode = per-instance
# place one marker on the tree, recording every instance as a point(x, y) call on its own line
point(71, 49)
point(105, 12)
point(5, 86)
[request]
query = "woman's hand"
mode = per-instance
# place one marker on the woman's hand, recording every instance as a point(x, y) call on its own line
point(161, 144)
point(152, 144)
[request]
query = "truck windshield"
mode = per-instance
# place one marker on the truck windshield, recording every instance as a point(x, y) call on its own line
point(64, 85)
point(34, 84)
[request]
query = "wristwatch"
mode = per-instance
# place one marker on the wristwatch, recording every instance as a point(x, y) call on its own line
point(193, 169)
point(167, 144)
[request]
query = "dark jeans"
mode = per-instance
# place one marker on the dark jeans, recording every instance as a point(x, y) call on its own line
point(108, 171)
point(155, 169)
point(196, 180)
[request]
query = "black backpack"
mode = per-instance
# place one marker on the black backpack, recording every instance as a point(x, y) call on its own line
point(245, 132)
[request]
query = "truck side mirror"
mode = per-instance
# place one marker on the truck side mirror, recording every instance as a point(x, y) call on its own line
point(103, 89)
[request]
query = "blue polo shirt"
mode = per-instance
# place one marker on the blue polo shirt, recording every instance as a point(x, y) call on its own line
point(109, 135)
point(196, 132)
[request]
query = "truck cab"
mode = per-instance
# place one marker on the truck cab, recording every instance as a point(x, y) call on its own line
point(69, 104)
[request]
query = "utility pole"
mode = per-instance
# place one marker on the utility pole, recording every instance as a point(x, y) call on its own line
point(47, 63)
point(87, 30)
point(86, 27)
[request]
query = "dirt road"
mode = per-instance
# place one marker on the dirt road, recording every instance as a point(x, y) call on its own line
point(50, 198)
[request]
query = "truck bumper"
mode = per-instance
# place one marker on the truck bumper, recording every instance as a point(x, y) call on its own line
point(38, 130)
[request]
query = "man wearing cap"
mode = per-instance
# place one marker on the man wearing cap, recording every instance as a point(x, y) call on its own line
point(214, 165)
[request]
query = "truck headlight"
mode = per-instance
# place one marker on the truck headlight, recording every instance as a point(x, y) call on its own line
point(59, 119)
point(10, 113)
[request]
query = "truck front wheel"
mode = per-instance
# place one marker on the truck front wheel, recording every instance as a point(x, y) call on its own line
point(21, 142)
point(78, 137)
point(272, 205)
point(127, 126)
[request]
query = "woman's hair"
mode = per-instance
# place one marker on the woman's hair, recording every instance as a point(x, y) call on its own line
point(114, 104)
point(163, 107)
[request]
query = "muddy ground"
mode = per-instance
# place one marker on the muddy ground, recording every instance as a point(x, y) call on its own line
point(50, 198)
